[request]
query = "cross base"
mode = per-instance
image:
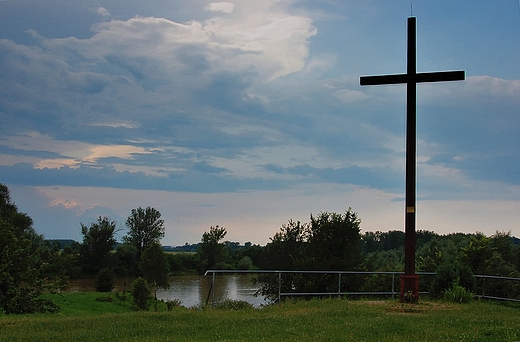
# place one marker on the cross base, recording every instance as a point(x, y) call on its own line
point(409, 288)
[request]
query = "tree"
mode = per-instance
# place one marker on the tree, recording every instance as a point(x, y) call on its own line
point(98, 242)
point(145, 227)
point(154, 268)
point(335, 241)
point(287, 248)
point(211, 248)
point(21, 263)
point(140, 294)
point(476, 253)
point(127, 260)
point(329, 242)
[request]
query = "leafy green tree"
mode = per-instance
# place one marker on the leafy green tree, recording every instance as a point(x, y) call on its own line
point(70, 257)
point(287, 248)
point(211, 250)
point(145, 227)
point(182, 263)
point(21, 261)
point(502, 243)
point(98, 242)
point(140, 294)
point(286, 251)
point(334, 244)
point(245, 263)
point(382, 241)
point(329, 242)
point(127, 260)
point(335, 241)
point(477, 252)
point(154, 268)
point(105, 280)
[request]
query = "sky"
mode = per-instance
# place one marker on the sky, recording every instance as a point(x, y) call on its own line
point(247, 114)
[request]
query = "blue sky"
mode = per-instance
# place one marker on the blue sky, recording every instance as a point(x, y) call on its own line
point(246, 114)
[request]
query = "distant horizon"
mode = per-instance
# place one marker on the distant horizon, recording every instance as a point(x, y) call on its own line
point(242, 244)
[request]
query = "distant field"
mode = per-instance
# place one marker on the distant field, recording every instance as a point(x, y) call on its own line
point(84, 319)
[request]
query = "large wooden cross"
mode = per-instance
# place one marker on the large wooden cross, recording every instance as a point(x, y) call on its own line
point(410, 281)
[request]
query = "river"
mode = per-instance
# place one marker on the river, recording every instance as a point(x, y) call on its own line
point(192, 290)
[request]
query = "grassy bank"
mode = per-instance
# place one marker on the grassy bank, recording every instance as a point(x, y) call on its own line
point(83, 318)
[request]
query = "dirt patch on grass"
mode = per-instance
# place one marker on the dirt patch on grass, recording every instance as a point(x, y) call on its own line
point(394, 306)
point(421, 307)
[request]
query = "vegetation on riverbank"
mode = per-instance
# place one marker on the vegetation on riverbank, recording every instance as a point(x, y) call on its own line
point(83, 318)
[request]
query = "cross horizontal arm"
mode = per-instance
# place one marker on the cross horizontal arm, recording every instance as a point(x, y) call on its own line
point(441, 76)
point(419, 78)
point(383, 79)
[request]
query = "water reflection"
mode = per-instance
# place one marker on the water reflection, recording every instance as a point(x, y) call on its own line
point(195, 290)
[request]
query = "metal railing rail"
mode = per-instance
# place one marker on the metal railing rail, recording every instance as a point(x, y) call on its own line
point(281, 294)
point(392, 293)
point(483, 295)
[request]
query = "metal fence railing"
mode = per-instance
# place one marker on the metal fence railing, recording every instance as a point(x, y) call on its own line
point(392, 291)
point(505, 284)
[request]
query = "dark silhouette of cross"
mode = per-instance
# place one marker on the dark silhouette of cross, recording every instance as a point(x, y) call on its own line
point(410, 281)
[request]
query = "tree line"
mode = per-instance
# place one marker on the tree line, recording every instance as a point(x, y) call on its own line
point(29, 264)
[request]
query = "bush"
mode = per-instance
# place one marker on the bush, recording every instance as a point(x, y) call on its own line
point(140, 294)
point(105, 280)
point(449, 273)
point(458, 294)
point(171, 303)
point(121, 296)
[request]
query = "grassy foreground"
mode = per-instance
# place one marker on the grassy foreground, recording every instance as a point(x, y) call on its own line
point(84, 319)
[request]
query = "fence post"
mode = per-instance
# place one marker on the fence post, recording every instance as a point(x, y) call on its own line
point(213, 293)
point(339, 285)
point(280, 288)
point(393, 285)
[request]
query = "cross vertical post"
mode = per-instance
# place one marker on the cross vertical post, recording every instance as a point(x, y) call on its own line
point(410, 280)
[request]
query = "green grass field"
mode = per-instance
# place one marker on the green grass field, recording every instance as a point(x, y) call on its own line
point(83, 318)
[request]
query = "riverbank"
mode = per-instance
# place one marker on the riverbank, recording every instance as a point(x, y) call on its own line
point(83, 318)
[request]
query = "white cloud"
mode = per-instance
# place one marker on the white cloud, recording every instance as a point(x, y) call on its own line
point(57, 163)
point(71, 153)
point(225, 7)
point(348, 95)
point(103, 12)
point(67, 203)
point(119, 124)
point(474, 90)
point(263, 36)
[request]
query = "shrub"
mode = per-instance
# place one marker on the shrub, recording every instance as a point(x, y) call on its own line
point(140, 294)
point(458, 294)
point(443, 280)
point(105, 280)
point(122, 296)
point(171, 303)
point(449, 273)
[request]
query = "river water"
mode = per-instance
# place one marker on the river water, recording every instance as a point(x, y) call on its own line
point(195, 290)
point(192, 290)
